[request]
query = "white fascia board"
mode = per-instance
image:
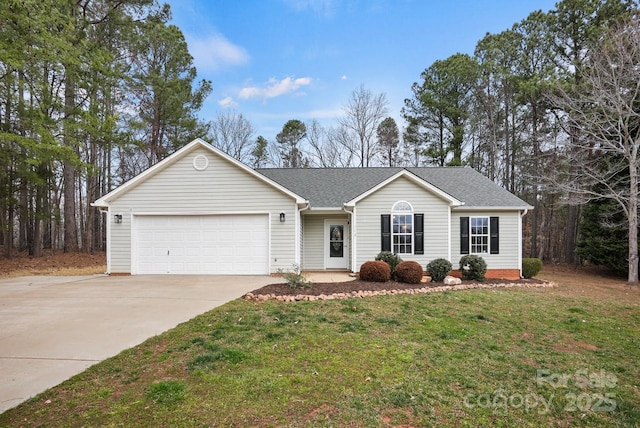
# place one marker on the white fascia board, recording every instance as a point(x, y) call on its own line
point(326, 210)
point(419, 181)
point(104, 201)
point(468, 208)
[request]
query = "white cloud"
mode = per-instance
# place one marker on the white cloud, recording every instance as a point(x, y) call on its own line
point(227, 102)
point(344, 77)
point(274, 88)
point(214, 52)
point(325, 8)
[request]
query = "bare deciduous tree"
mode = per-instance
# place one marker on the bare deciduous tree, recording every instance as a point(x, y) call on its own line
point(363, 113)
point(606, 159)
point(329, 148)
point(232, 133)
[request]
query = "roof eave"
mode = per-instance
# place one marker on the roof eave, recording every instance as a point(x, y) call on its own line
point(103, 202)
point(495, 208)
point(411, 176)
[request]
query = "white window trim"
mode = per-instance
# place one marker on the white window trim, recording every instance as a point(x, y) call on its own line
point(397, 212)
point(488, 235)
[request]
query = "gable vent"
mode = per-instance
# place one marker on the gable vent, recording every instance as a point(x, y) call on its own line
point(200, 162)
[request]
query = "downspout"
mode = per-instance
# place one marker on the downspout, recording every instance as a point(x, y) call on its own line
point(352, 240)
point(524, 212)
point(300, 235)
point(107, 220)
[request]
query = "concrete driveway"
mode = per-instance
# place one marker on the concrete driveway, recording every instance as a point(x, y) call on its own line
point(52, 328)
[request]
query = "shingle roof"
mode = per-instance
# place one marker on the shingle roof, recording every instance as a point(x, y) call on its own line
point(332, 187)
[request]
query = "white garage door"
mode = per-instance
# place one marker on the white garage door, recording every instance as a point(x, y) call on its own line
point(207, 244)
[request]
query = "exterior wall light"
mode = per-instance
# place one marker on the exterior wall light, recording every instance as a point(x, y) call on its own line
point(281, 217)
point(117, 219)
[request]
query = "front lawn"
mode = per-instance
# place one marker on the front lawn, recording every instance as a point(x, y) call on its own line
point(566, 356)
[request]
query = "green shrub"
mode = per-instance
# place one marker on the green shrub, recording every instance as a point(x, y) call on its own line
point(376, 271)
point(409, 272)
point(438, 269)
point(473, 267)
point(294, 277)
point(391, 259)
point(531, 267)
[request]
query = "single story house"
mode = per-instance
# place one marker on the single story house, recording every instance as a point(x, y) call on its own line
point(199, 211)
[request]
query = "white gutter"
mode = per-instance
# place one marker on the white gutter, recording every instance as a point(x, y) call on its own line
point(299, 235)
point(524, 212)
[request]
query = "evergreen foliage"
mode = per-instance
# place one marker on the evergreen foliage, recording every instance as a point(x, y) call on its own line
point(603, 232)
point(438, 269)
point(391, 259)
point(531, 267)
point(473, 267)
point(293, 132)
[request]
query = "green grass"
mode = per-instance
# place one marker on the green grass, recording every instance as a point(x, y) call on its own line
point(469, 358)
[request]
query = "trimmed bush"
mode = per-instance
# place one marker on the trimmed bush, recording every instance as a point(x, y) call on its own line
point(409, 272)
point(473, 267)
point(438, 269)
point(391, 259)
point(376, 271)
point(531, 267)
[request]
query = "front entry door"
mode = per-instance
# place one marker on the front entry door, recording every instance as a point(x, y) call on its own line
point(336, 244)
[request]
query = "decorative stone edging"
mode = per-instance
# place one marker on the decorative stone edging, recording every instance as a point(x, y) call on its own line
point(367, 293)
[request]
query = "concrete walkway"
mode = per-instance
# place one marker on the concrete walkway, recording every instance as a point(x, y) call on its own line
point(52, 328)
point(329, 276)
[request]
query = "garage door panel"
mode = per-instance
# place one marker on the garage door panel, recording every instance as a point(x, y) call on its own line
point(229, 244)
point(157, 251)
point(194, 252)
point(193, 235)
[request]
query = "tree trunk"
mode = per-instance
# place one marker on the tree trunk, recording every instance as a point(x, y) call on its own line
point(8, 237)
point(536, 174)
point(573, 218)
point(633, 223)
point(36, 244)
point(69, 172)
point(507, 144)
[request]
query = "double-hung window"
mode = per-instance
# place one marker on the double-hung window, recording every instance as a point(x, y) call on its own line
point(402, 228)
point(479, 235)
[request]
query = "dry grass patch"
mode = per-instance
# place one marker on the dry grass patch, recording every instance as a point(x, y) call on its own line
point(54, 263)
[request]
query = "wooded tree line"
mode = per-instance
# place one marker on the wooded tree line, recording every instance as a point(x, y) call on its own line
point(92, 92)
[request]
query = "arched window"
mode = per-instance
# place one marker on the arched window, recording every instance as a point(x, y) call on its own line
point(402, 227)
point(402, 206)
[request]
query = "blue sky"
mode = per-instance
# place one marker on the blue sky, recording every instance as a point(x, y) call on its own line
point(276, 60)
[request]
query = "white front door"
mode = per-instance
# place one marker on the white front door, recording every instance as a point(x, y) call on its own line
point(336, 244)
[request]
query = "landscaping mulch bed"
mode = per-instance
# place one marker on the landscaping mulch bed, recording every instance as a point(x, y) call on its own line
point(359, 288)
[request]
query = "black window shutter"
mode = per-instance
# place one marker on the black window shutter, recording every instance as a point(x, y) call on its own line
point(464, 235)
point(418, 233)
point(494, 236)
point(385, 227)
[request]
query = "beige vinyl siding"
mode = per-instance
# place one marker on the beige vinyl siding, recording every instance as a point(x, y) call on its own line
point(509, 236)
point(222, 188)
point(313, 244)
point(436, 220)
